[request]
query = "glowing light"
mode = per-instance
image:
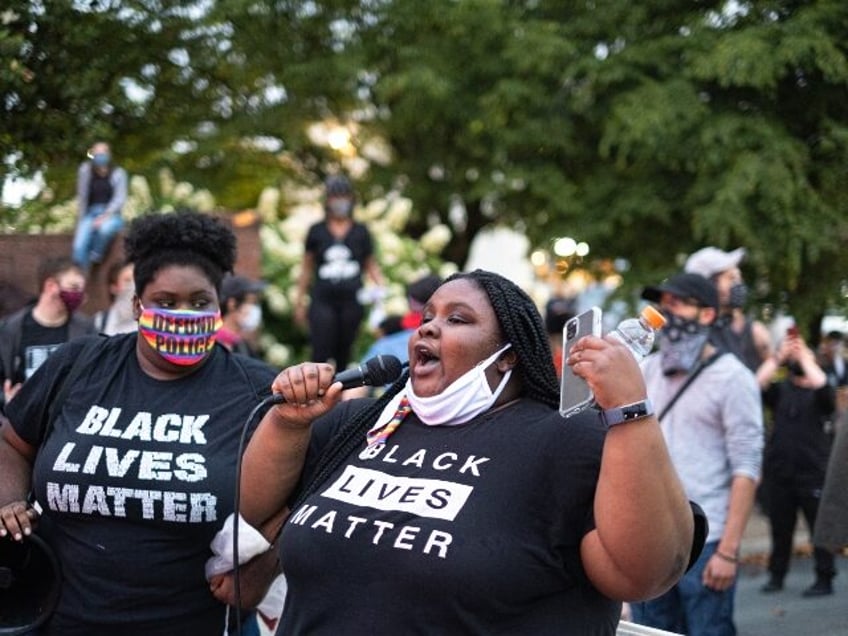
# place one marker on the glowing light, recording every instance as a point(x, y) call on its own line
point(338, 138)
point(565, 246)
point(538, 258)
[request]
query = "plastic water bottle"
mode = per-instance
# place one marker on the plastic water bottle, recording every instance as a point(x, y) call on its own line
point(638, 333)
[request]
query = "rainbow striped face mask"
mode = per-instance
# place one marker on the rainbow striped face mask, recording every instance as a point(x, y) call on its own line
point(180, 336)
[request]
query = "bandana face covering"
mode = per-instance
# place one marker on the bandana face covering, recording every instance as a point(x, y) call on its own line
point(681, 344)
point(464, 399)
point(182, 337)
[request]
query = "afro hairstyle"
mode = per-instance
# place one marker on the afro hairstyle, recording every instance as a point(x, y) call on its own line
point(185, 237)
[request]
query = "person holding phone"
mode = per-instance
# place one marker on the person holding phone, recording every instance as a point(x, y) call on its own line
point(460, 501)
point(575, 392)
point(711, 419)
point(802, 402)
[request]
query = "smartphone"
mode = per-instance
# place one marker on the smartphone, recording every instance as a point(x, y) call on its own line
point(792, 331)
point(574, 392)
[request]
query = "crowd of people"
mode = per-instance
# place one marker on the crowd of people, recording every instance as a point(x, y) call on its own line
point(176, 476)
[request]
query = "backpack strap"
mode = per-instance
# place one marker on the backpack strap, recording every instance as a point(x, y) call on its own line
point(703, 364)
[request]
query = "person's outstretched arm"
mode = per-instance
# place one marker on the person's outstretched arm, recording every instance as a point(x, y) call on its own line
point(275, 455)
point(644, 524)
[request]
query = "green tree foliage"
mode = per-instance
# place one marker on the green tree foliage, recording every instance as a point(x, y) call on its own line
point(144, 74)
point(647, 129)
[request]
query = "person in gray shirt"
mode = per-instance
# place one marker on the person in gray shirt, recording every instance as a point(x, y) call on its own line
point(711, 417)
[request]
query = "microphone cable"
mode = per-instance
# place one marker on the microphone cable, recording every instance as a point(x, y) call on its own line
point(268, 401)
point(377, 370)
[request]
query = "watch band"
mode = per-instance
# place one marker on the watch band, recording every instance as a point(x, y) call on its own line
point(628, 412)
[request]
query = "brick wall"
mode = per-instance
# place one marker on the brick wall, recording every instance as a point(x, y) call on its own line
point(20, 255)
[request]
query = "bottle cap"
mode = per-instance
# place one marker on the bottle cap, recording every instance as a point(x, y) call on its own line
point(653, 317)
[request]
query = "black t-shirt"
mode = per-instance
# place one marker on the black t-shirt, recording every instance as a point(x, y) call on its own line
point(471, 529)
point(37, 344)
point(799, 446)
point(136, 477)
point(338, 262)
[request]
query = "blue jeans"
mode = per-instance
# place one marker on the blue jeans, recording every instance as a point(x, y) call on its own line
point(90, 244)
point(689, 607)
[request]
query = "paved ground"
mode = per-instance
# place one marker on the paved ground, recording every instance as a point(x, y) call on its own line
point(786, 613)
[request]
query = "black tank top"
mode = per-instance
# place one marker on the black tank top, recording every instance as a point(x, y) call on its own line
point(739, 344)
point(100, 190)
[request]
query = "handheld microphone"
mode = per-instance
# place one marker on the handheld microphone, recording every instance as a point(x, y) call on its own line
point(375, 371)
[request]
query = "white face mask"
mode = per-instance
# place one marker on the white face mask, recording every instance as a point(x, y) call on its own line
point(464, 399)
point(251, 318)
point(122, 304)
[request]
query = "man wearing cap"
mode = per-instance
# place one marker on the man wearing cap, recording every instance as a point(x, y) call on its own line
point(733, 331)
point(710, 412)
point(241, 314)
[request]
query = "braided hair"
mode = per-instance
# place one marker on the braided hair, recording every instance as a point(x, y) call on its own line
point(521, 325)
point(185, 237)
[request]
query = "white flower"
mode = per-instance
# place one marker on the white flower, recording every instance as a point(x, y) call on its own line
point(436, 239)
point(396, 306)
point(377, 151)
point(202, 200)
point(390, 244)
point(278, 354)
point(276, 300)
point(269, 203)
point(140, 192)
point(166, 182)
point(182, 191)
point(447, 269)
point(372, 211)
point(398, 213)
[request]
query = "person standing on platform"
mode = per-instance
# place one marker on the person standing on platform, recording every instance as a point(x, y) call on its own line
point(338, 252)
point(101, 194)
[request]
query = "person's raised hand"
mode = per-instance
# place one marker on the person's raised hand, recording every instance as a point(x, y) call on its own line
point(307, 390)
point(610, 369)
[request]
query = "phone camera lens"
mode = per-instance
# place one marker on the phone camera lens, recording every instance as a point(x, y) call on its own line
point(572, 330)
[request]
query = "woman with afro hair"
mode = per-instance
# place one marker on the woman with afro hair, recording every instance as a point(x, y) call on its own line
point(129, 445)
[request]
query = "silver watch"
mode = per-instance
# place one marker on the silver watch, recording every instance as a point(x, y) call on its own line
point(627, 413)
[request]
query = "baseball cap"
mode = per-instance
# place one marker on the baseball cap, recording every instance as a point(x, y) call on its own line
point(235, 286)
point(687, 286)
point(710, 261)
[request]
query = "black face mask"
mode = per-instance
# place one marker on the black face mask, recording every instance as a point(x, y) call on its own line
point(738, 295)
point(681, 343)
